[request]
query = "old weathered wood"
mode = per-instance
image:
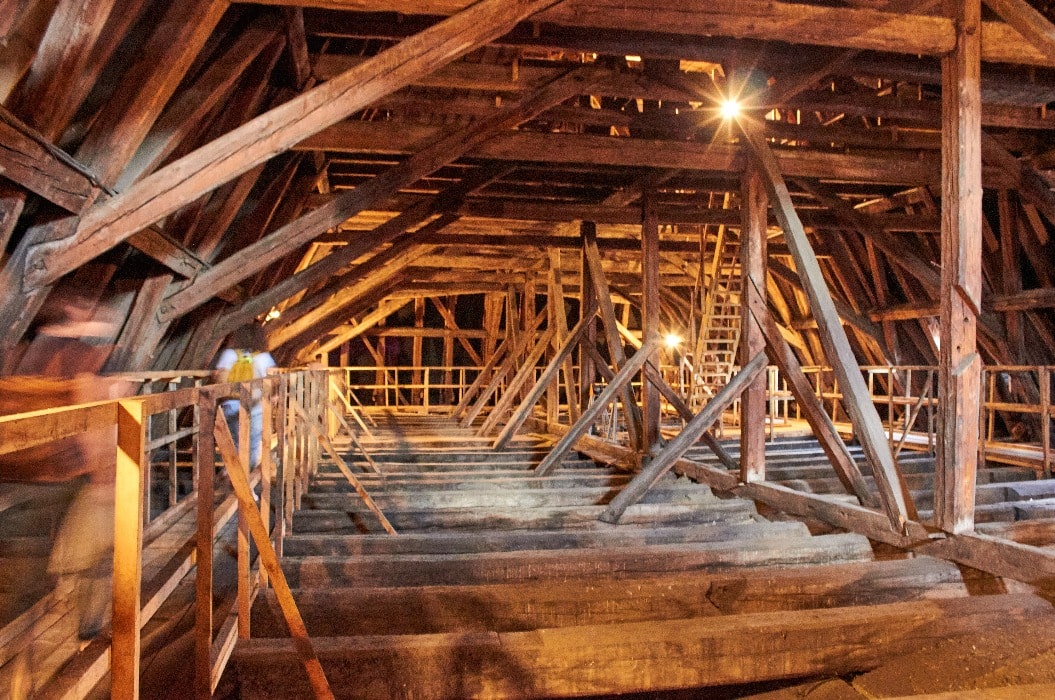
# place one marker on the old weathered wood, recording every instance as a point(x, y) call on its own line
point(653, 375)
point(806, 398)
point(512, 357)
point(857, 400)
point(650, 312)
point(524, 374)
point(753, 271)
point(611, 331)
point(339, 461)
point(483, 376)
point(598, 404)
point(689, 435)
point(239, 480)
point(243, 148)
point(523, 411)
point(29, 160)
point(592, 659)
point(961, 277)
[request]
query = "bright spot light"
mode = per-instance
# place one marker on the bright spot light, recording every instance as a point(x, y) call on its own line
point(272, 315)
point(672, 340)
point(729, 109)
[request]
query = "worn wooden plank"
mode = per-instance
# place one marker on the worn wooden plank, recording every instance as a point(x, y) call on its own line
point(643, 656)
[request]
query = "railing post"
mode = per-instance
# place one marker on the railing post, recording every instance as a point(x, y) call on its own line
point(1044, 377)
point(205, 468)
point(245, 403)
point(128, 541)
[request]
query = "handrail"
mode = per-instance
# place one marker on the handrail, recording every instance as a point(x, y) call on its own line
point(143, 443)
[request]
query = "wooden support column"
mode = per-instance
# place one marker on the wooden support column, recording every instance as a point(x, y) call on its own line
point(416, 345)
point(650, 310)
point(753, 211)
point(587, 310)
point(857, 399)
point(961, 273)
point(448, 349)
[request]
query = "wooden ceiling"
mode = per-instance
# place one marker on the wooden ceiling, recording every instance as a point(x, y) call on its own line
point(197, 165)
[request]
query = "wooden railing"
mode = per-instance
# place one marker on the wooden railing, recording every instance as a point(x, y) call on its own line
point(174, 434)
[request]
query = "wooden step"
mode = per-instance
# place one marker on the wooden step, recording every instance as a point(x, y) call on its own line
point(465, 481)
point(624, 658)
point(521, 606)
point(532, 565)
point(513, 540)
point(578, 517)
point(393, 499)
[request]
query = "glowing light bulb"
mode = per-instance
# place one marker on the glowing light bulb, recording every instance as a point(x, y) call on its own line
point(672, 340)
point(729, 109)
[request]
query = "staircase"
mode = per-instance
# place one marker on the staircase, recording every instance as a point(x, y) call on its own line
point(504, 584)
point(719, 335)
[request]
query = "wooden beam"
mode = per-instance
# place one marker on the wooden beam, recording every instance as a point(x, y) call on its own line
point(598, 404)
point(1033, 26)
point(753, 240)
point(611, 331)
point(805, 397)
point(650, 310)
point(29, 160)
point(383, 311)
point(846, 27)
point(960, 364)
point(523, 411)
point(450, 323)
point(373, 137)
point(485, 372)
point(278, 130)
point(519, 382)
point(438, 153)
point(689, 436)
point(857, 400)
point(516, 345)
point(189, 108)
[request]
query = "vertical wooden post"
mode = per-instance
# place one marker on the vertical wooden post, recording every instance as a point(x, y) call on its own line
point(419, 322)
point(753, 206)
point(205, 467)
point(1045, 418)
point(961, 272)
point(173, 426)
point(650, 399)
point(245, 402)
point(448, 351)
point(128, 541)
point(587, 309)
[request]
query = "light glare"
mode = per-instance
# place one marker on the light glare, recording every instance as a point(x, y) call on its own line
point(730, 109)
point(672, 340)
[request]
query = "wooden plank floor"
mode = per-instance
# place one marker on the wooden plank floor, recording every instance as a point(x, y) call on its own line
point(501, 584)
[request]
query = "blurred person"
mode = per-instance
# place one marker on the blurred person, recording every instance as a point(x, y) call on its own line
point(69, 480)
point(245, 358)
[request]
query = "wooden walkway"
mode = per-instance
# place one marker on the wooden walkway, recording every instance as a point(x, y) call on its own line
point(503, 584)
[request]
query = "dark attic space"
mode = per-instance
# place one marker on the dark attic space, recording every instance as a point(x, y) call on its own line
point(527, 349)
